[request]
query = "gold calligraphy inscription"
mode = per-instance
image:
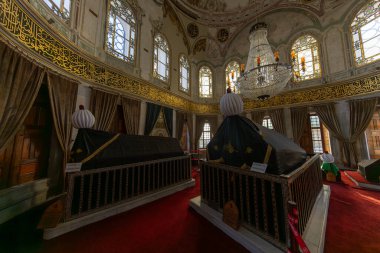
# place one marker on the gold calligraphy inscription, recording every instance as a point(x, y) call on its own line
point(17, 22)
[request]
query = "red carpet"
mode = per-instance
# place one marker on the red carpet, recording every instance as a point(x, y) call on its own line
point(353, 223)
point(166, 225)
point(169, 225)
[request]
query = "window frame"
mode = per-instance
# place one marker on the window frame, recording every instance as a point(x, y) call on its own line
point(202, 135)
point(211, 93)
point(155, 73)
point(133, 29)
point(180, 87)
point(315, 47)
point(268, 123)
point(351, 26)
point(56, 11)
point(234, 88)
point(320, 127)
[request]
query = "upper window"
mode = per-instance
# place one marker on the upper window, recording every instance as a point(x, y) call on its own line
point(267, 122)
point(232, 75)
point(205, 136)
point(205, 82)
point(184, 74)
point(60, 7)
point(366, 33)
point(121, 31)
point(161, 58)
point(305, 58)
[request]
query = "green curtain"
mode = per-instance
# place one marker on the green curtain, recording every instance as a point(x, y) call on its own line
point(168, 118)
point(152, 113)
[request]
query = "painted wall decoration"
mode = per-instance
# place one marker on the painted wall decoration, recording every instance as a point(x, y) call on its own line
point(193, 30)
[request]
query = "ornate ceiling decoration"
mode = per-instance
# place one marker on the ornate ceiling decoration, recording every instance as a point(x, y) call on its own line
point(192, 30)
point(219, 13)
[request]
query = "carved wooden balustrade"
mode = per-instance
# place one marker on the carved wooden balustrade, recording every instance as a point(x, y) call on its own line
point(262, 199)
point(92, 190)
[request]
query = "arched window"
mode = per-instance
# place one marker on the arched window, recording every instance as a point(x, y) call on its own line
point(184, 74)
point(121, 31)
point(232, 74)
point(366, 33)
point(205, 136)
point(161, 58)
point(305, 58)
point(205, 82)
point(61, 8)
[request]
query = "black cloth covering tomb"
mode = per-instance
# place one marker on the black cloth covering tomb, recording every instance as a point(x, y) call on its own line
point(238, 140)
point(118, 149)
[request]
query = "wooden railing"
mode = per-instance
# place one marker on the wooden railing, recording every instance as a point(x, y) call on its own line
point(93, 190)
point(262, 199)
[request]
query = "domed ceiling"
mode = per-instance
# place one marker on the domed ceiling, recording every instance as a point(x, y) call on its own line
point(226, 12)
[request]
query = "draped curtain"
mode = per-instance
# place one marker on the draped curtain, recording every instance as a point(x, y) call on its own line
point(180, 121)
point(258, 116)
point(131, 111)
point(277, 117)
point(63, 97)
point(168, 118)
point(189, 120)
point(361, 113)
point(152, 113)
point(299, 120)
point(103, 105)
point(329, 118)
point(20, 81)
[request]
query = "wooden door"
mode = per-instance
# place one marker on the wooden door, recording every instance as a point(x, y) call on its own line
point(26, 157)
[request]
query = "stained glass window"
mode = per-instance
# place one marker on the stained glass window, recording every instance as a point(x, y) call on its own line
point(365, 30)
point(205, 136)
point(305, 58)
point(267, 122)
point(184, 74)
point(205, 82)
point(232, 74)
point(121, 31)
point(61, 8)
point(161, 58)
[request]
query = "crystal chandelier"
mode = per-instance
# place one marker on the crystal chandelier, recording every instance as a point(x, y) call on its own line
point(265, 76)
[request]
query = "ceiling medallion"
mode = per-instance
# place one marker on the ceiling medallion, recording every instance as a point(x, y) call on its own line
point(193, 30)
point(223, 35)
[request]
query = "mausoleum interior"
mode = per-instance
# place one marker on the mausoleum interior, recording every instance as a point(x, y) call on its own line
point(189, 126)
